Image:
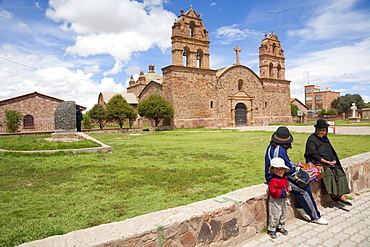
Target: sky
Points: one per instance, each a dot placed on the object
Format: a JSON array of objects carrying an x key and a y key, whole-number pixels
[{"x": 75, "y": 49}]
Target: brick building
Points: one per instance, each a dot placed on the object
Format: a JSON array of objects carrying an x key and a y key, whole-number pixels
[
  {"x": 231, "y": 96},
  {"x": 37, "y": 110},
  {"x": 317, "y": 100}
]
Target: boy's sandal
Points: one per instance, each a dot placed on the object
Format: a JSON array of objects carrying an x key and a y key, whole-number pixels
[
  {"x": 272, "y": 234},
  {"x": 283, "y": 231}
]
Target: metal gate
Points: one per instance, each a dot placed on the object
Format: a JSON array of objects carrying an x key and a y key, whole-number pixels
[{"x": 240, "y": 115}]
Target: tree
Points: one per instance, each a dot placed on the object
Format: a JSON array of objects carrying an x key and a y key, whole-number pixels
[
  {"x": 155, "y": 107},
  {"x": 323, "y": 112},
  {"x": 118, "y": 109},
  {"x": 331, "y": 112},
  {"x": 131, "y": 114},
  {"x": 343, "y": 103},
  {"x": 99, "y": 114},
  {"x": 13, "y": 120},
  {"x": 87, "y": 121},
  {"x": 293, "y": 109}
]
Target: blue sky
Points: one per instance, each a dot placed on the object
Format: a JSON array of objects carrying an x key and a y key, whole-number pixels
[{"x": 75, "y": 49}]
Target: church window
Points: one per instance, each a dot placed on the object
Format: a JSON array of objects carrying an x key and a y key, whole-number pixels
[
  {"x": 191, "y": 29},
  {"x": 185, "y": 56},
  {"x": 265, "y": 104},
  {"x": 211, "y": 104},
  {"x": 28, "y": 121},
  {"x": 278, "y": 71},
  {"x": 273, "y": 48},
  {"x": 199, "y": 56},
  {"x": 240, "y": 84},
  {"x": 270, "y": 70}
]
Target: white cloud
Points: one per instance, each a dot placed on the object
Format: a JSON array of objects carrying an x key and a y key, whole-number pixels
[
  {"x": 37, "y": 5},
  {"x": 22, "y": 25},
  {"x": 335, "y": 19},
  {"x": 116, "y": 69},
  {"x": 6, "y": 14},
  {"x": 118, "y": 28},
  {"x": 54, "y": 80},
  {"x": 229, "y": 34},
  {"x": 132, "y": 70},
  {"x": 92, "y": 69},
  {"x": 346, "y": 65}
]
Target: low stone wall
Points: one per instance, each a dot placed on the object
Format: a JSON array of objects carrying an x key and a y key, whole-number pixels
[
  {"x": 112, "y": 130},
  {"x": 226, "y": 220}
]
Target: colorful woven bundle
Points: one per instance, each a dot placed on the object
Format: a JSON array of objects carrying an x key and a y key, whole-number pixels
[{"x": 314, "y": 171}]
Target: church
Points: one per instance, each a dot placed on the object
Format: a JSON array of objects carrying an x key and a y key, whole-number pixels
[{"x": 227, "y": 97}]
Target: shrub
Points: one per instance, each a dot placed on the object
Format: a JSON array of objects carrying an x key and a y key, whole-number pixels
[{"x": 13, "y": 120}]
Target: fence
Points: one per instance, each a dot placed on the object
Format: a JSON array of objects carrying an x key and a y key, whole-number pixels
[{"x": 39, "y": 126}]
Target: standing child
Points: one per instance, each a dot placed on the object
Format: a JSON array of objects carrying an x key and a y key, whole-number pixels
[{"x": 278, "y": 193}]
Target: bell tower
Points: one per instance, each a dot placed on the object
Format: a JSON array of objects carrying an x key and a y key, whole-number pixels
[
  {"x": 271, "y": 57},
  {"x": 190, "y": 44}
]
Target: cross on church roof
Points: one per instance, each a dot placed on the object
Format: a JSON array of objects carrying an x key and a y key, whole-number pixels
[{"x": 237, "y": 54}]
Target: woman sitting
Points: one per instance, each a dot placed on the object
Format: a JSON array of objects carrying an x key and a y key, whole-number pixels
[{"x": 320, "y": 151}]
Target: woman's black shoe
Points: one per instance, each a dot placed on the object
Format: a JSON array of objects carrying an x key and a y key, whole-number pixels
[
  {"x": 336, "y": 199},
  {"x": 345, "y": 202}
]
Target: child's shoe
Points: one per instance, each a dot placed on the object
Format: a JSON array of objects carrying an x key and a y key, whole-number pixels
[
  {"x": 272, "y": 234},
  {"x": 283, "y": 231}
]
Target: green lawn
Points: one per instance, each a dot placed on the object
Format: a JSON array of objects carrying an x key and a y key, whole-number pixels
[
  {"x": 38, "y": 142},
  {"x": 47, "y": 194}
]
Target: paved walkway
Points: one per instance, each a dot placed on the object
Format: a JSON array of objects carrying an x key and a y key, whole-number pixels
[{"x": 348, "y": 226}]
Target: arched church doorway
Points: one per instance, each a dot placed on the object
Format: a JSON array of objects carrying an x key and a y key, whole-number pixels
[{"x": 240, "y": 115}]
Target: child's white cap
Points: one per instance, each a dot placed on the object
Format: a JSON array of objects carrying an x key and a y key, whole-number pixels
[{"x": 278, "y": 162}]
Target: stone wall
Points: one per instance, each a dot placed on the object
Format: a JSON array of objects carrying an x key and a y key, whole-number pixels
[
  {"x": 113, "y": 130},
  {"x": 226, "y": 220},
  {"x": 201, "y": 122},
  {"x": 189, "y": 90}
]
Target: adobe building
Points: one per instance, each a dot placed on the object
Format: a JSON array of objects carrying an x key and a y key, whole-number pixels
[
  {"x": 37, "y": 110},
  {"x": 301, "y": 107},
  {"x": 317, "y": 100},
  {"x": 225, "y": 97}
]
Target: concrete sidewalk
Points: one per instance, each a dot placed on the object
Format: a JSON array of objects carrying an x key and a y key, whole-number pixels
[{"x": 348, "y": 226}]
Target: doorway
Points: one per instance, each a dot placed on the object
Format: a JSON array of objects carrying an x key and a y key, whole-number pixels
[{"x": 240, "y": 115}]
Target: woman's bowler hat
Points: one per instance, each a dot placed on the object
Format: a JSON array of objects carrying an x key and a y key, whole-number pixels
[{"x": 321, "y": 123}]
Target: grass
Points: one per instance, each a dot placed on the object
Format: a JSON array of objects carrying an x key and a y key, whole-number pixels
[
  {"x": 337, "y": 123},
  {"x": 47, "y": 194},
  {"x": 38, "y": 142}
]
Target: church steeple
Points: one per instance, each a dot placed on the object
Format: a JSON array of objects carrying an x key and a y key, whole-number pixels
[
  {"x": 271, "y": 56},
  {"x": 190, "y": 44}
]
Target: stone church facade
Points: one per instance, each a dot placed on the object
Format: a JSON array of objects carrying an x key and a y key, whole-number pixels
[{"x": 227, "y": 97}]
